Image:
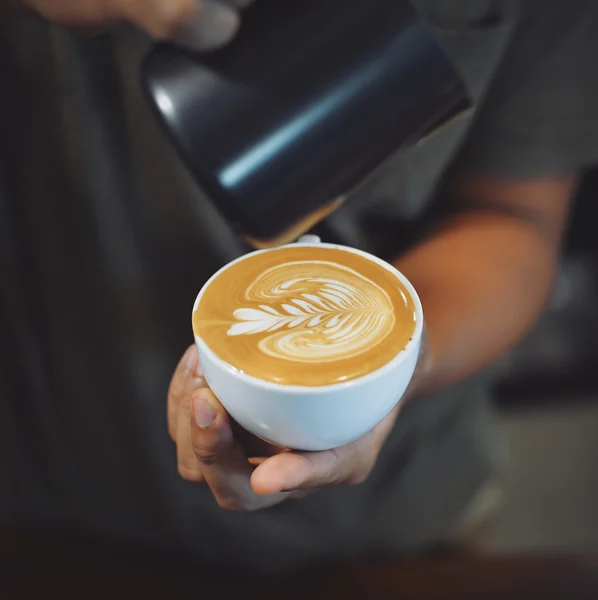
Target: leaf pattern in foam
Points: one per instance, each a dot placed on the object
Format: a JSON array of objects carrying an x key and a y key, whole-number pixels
[{"x": 316, "y": 311}]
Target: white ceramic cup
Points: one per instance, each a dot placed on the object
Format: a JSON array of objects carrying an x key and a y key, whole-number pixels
[{"x": 313, "y": 418}]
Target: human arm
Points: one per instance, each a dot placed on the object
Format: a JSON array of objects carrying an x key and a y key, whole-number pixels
[
  {"x": 533, "y": 135},
  {"x": 485, "y": 274},
  {"x": 483, "y": 278}
]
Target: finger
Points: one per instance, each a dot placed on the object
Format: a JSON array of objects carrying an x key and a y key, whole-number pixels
[
  {"x": 224, "y": 464},
  {"x": 350, "y": 464},
  {"x": 211, "y": 25},
  {"x": 197, "y": 24},
  {"x": 177, "y": 386},
  {"x": 294, "y": 471},
  {"x": 188, "y": 466},
  {"x": 70, "y": 13},
  {"x": 159, "y": 18}
]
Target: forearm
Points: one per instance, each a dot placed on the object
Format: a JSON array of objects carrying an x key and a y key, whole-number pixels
[{"x": 483, "y": 281}]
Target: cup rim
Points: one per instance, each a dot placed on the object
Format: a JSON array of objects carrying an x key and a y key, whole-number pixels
[{"x": 310, "y": 390}]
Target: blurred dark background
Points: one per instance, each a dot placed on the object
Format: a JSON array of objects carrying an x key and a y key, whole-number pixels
[{"x": 547, "y": 393}]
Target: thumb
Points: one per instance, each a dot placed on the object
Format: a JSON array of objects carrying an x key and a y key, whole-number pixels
[
  {"x": 211, "y": 431},
  {"x": 224, "y": 464}
]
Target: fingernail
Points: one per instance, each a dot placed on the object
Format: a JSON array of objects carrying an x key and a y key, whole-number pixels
[
  {"x": 204, "y": 413},
  {"x": 189, "y": 358},
  {"x": 212, "y": 26}
]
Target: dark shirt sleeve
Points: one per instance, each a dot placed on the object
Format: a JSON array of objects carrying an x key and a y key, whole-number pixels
[{"x": 540, "y": 115}]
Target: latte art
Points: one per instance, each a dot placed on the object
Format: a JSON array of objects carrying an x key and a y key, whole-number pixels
[
  {"x": 314, "y": 311},
  {"x": 305, "y": 315}
]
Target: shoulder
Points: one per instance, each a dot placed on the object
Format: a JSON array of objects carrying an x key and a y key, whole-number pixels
[{"x": 540, "y": 113}]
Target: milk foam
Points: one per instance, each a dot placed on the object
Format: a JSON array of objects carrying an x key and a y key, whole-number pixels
[{"x": 314, "y": 311}]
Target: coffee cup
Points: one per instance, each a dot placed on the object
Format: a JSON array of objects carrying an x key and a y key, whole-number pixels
[{"x": 310, "y": 345}]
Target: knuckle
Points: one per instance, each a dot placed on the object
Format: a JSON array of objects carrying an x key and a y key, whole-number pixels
[
  {"x": 208, "y": 454},
  {"x": 183, "y": 400},
  {"x": 192, "y": 385},
  {"x": 212, "y": 447},
  {"x": 177, "y": 384}
]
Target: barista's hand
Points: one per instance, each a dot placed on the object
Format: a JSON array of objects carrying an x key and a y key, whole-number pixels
[
  {"x": 244, "y": 473},
  {"x": 199, "y": 24}
]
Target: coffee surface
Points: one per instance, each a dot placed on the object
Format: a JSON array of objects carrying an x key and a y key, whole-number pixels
[{"x": 308, "y": 316}]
